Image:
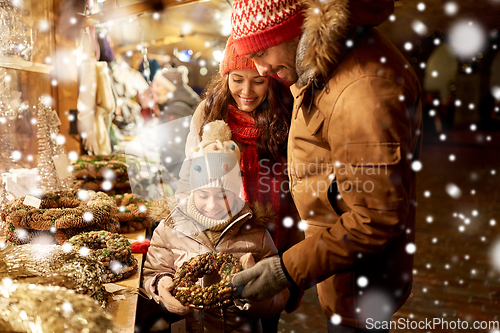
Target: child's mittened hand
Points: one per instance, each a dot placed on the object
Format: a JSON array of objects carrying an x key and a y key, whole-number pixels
[
  {"x": 171, "y": 303},
  {"x": 247, "y": 260}
]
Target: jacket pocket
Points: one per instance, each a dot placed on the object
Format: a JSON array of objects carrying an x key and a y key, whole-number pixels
[
  {"x": 373, "y": 153},
  {"x": 314, "y": 121},
  {"x": 373, "y": 176}
]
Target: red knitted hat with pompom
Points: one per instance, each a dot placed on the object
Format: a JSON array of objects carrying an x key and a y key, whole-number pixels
[
  {"x": 233, "y": 61},
  {"x": 260, "y": 24}
]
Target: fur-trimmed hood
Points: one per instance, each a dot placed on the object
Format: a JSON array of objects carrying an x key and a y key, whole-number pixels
[{"x": 326, "y": 27}]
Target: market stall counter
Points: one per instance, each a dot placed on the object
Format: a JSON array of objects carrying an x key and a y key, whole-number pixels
[{"x": 123, "y": 304}]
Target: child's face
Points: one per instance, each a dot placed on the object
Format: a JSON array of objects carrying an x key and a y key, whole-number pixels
[{"x": 213, "y": 202}]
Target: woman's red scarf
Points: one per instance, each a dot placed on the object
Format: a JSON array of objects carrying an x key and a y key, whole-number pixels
[{"x": 260, "y": 183}]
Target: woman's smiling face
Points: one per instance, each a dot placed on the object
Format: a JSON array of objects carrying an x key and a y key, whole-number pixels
[{"x": 248, "y": 88}]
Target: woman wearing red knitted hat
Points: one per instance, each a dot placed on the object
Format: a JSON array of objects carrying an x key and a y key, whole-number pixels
[{"x": 258, "y": 111}]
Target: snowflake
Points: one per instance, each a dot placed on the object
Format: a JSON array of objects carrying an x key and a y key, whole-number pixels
[
  {"x": 450, "y": 8},
  {"x": 84, "y": 251},
  {"x": 410, "y": 248},
  {"x": 7, "y": 282},
  {"x": 362, "y": 281},
  {"x": 467, "y": 38},
  {"x": 67, "y": 307},
  {"x": 109, "y": 174},
  {"x": 288, "y": 222},
  {"x": 453, "y": 191},
  {"x": 303, "y": 225},
  {"x": 336, "y": 319},
  {"x": 88, "y": 216},
  {"x": 416, "y": 166},
  {"x": 67, "y": 247},
  {"x": 107, "y": 185},
  {"x": 419, "y": 27},
  {"x": 16, "y": 155},
  {"x": 115, "y": 266},
  {"x": 21, "y": 233}
]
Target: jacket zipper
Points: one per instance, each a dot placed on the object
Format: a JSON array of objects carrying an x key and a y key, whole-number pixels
[{"x": 229, "y": 226}]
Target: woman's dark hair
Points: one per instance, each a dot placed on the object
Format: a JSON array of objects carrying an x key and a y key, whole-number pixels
[{"x": 272, "y": 116}]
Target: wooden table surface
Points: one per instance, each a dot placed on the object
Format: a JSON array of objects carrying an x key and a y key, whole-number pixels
[{"x": 124, "y": 310}]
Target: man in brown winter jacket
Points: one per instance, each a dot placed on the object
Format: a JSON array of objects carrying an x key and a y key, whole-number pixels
[{"x": 355, "y": 132}]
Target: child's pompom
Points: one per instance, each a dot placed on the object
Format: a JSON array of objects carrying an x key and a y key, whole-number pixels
[{"x": 216, "y": 130}]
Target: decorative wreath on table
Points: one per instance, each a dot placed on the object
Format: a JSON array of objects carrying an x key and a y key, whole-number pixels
[
  {"x": 63, "y": 213},
  {"x": 113, "y": 250},
  {"x": 220, "y": 294},
  {"x": 97, "y": 173},
  {"x": 132, "y": 213},
  {"x": 96, "y": 166}
]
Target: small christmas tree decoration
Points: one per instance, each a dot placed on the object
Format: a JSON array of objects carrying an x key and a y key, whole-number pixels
[{"x": 51, "y": 156}]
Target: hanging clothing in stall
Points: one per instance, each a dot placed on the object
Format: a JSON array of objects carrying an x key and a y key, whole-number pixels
[
  {"x": 105, "y": 108},
  {"x": 96, "y": 103},
  {"x": 126, "y": 84},
  {"x": 86, "y": 96}
]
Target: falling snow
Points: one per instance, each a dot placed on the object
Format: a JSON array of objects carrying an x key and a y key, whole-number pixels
[
  {"x": 288, "y": 222},
  {"x": 453, "y": 191},
  {"x": 88, "y": 216},
  {"x": 411, "y": 248},
  {"x": 467, "y": 38}
]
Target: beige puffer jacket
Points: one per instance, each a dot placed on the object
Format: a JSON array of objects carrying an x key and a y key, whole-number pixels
[{"x": 175, "y": 242}]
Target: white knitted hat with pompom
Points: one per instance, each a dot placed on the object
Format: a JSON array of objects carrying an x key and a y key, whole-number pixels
[{"x": 216, "y": 160}]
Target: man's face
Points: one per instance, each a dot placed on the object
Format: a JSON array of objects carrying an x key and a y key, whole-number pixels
[{"x": 279, "y": 60}]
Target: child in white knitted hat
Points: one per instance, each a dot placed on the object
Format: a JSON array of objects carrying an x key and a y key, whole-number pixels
[{"x": 213, "y": 218}]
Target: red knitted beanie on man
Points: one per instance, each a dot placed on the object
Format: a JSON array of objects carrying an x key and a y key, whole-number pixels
[
  {"x": 233, "y": 61},
  {"x": 260, "y": 24}
]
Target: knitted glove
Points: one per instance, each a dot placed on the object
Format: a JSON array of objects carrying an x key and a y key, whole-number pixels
[
  {"x": 164, "y": 287},
  {"x": 262, "y": 281}
]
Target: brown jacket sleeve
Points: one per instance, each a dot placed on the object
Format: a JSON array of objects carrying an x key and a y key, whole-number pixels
[{"x": 370, "y": 136}]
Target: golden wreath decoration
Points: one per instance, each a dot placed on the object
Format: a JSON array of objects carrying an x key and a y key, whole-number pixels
[
  {"x": 96, "y": 166},
  {"x": 92, "y": 171},
  {"x": 220, "y": 294},
  {"x": 113, "y": 250},
  {"x": 132, "y": 213},
  {"x": 62, "y": 214}
]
